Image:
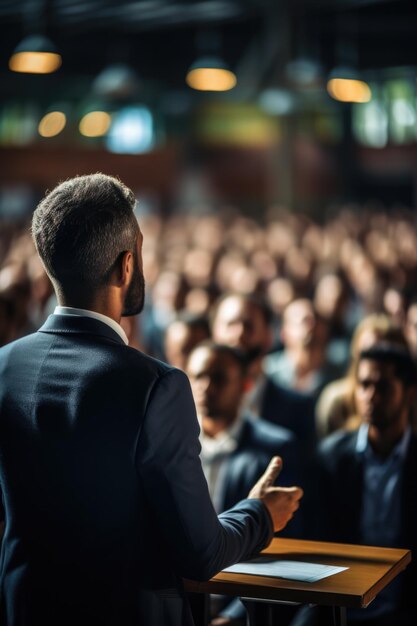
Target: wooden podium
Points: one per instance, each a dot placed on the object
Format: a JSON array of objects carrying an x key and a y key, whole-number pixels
[{"x": 370, "y": 569}]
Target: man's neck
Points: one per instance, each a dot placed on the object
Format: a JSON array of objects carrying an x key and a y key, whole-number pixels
[
  {"x": 99, "y": 304},
  {"x": 384, "y": 441},
  {"x": 307, "y": 358}
]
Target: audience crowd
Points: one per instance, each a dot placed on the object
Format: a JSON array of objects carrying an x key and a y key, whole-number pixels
[{"x": 300, "y": 339}]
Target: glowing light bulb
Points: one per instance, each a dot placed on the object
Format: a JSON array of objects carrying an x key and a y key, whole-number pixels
[
  {"x": 349, "y": 90},
  {"x": 52, "y": 124},
  {"x": 95, "y": 124}
]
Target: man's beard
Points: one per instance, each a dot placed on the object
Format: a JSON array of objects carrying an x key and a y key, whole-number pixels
[{"x": 135, "y": 295}]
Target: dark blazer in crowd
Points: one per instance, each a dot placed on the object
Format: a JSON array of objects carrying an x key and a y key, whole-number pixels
[
  {"x": 340, "y": 481},
  {"x": 106, "y": 504},
  {"x": 292, "y": 410}
]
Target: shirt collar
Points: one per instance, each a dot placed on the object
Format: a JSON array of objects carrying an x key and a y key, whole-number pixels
[
  {"x": 399, "y": 451},
  {"x": 69, "y": 310},
  {"x": 224, "y": 443}
]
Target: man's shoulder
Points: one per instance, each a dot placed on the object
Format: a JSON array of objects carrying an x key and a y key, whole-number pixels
[
  {"x": 265, "y": 434},
  {"x": 22, "y": 343},
  {"x": 133, "y": 363},
  {"x": 133, "y": 355},
  {"x": 276, "y": 362},
  {"x": 337, "y": 444},
  {"x": 114, "y": 355}
]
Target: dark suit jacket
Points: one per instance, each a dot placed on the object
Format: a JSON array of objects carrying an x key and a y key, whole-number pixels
[
  {"x": 290, "y": 409},
  {"x": 106, "y": 504},
  {"x": 339, "y": 502}
]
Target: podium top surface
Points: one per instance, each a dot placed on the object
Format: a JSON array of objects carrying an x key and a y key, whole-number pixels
[{"x": 370, "y": 569}]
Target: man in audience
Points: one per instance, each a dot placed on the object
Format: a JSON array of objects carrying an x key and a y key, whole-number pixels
[
  {"x": 335, "y": 407},
  {"x": 235, "y": 448},
  {"x": 182, "y": 335},
  {"x": 302, "y": 365},
  {"x": 367, "y": 478},
  {"x": 244, "y": 322}
]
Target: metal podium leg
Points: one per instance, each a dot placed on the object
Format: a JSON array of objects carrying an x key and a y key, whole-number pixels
[
  {"x": 339, "y": 616},
  {"x": 266, "y": 612},
  {"x": 258, "y": 613}
]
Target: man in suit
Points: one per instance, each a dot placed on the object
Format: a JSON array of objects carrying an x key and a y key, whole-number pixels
[
  {"x": 235, "y": 447},
  {"x": 368, "y": 478},
  {"x": 244, "y": 322},
  {"x": 106, "y": 505}
]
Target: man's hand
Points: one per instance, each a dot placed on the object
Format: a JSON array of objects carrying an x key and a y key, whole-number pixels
[{"x": 281, "y": 502}]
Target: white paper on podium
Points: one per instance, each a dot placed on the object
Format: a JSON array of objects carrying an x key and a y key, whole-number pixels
[{"x": 290, "y": 570}]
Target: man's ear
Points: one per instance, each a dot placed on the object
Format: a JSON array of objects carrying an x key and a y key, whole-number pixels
[{"x": 124, "y": 268}]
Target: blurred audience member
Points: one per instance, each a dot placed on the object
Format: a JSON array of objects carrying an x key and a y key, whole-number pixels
[
  {"x": 302, "y": 365},
  {"x": 167, "y": 298},
  {"x": 367, "y": 479},
  {"x": 330, "y": 301},
  {"x": 198, "y": 300},
  {"x": 15, "y": 285},
  {"x": 335, "y": 406},
  {"x": 182, "y": 336},
  {"x": 279, "y": 292},
  {"x": 43, "y": 298},
  {"x": 243, "y": 322},
  {"x": 395, "y": 305}
]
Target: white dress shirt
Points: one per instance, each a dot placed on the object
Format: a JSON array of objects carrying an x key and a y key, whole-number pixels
[
  {"x": 214, "y": 454},
  {"x": 69, "y": 310}
]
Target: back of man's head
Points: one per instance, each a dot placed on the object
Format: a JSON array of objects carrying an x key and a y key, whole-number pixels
[{"x": 81, "y": 228}]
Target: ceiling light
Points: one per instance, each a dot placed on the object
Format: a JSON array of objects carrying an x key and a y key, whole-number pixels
[
  {"x": 344, "y": 85},
  {"x": 349, "y": 90},
  {"x": 95, "y": 124},
  {"x": 52, "y": 124},
  {"x": 35, "y": 55},
  {"x": 210, "y": 74}
]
